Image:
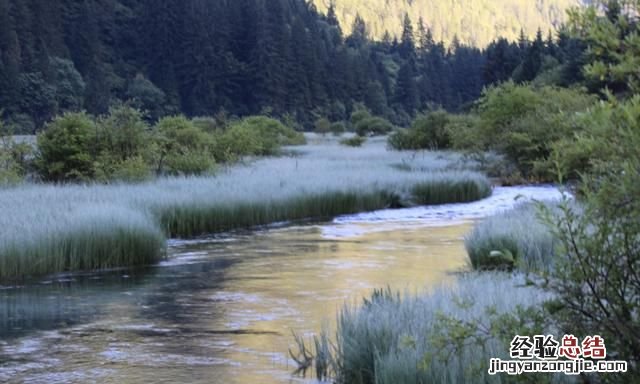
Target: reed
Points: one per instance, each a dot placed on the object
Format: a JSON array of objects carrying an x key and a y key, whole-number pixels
[
  {"x": 58, "y": 228},
  {"x": 516, "y": 238},
  {"x": 397, "y": 339}
]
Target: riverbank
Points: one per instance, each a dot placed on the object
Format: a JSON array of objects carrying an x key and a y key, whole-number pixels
[{"x": 51, "y": 229}]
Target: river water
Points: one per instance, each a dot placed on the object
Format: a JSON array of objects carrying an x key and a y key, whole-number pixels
[{"x": 223, "y": 309}]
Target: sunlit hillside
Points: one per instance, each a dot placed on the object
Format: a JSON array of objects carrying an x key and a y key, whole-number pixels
[{"x": 473, "y": 21}]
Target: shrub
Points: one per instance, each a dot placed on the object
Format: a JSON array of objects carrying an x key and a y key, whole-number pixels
[
  {"x": 272, "y": 134},
  {"x": 428, "y": 131},
  {"x": 124, "y": 145},
  {"x": 446, "y": 336},
  {"x": 338, "y": 128},
  {"x": 355, "y": 141},
  {"x": 358, "y": 115},
  {"x": 14, "y": 158},
  {"x": 522, "y": 123},
  {"x": 322, "y": 126},
  {"x": 207, "y": 124},
  {"x": 597, "y": 282},
  {"x": 605, "y": 123},
  {"x": 464, "y": 133},
  {"x": 180, "y": 144},
  {"x": 236, "y": 142},
  {"x": 446, "y": 191},
  {"x": 132, "y": 170},
  {"x": 255, "y": 136},
  {"x": 516, "y": 238},
  {"x": 373, "y": 126},
  {"x": 67, "y": 149}
]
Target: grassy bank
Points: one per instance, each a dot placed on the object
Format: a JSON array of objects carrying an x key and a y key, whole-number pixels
[
  {"x": 424, "y": 339},
  {"x": 49, "y": 229},
  {"x": 516, "y": 238}
]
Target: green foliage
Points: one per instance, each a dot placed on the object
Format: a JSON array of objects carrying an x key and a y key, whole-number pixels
[
  {"x": 358, "y": 115},
  {"x": 338, "y": 128},
  {"x": 606, "y": 122},
  {"x": 463, "y": 131},
  {"x": 322, "y": 126},
  {"x": 522, "y": 123},
  {"x": 614, "y": 43},
  {"x": 515, "y": 239},
  {"x": 9, "y": 168},
  {"x": 68, "y": 83},
  {"x": 444, "y": 336},
  {"x": 355, "y": 141},
  {"x": 182, "y": 148},
  {"x": 124, "y": 142},
  {"x": 147, "y": 96},
  {"x": 428, "y": 131},
  {"x": 597, "y": 280},
  {"x": 255, "y": 136},
  {"x": 373, "y": 126},
  {"x": 449, "y": 191},
  {"x": 67, "y": 149}
]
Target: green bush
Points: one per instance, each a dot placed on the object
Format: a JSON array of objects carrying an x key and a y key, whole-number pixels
[
  {"x": 322, "y": 126},
  {"x": 272, "y": 134},
  {"x": 180, "y": 144},
  {"x": 517, "y": 238},
  {"x": 236, "y": 142},
  {"x": 338, "y": 128},
  {"x": 207, "y": 124},
  {"x": 132, "y": 170},
  {"x": 373, "y": 126},
  {"x": 14, "y": 158},
  {"x": 428, "y": 131},
  {"x": 605, "y": 123},
  {"x": 463, "y": 132},
  {"x": 255, "y": 136},
  {"x": 124, "y": 143},
  {"x": 355, "y": 141},
  {"x": 68, "y": 148},
  {"x": 358, "y": 115},
  {"x": 522, "y": 123}
]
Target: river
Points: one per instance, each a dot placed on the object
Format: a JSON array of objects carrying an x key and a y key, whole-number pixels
[{"x": 222, "y": 309}]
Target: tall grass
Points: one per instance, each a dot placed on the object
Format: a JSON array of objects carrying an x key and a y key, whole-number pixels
[
  {"x": 447, "y": 190},
  {"x": 396, "y": 340},
  {"x": 516, "y": 238},
  {"x": 49, "y": 229}
]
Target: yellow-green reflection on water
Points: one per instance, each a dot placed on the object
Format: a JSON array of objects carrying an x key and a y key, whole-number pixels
[{"x": 220, "y": 311}]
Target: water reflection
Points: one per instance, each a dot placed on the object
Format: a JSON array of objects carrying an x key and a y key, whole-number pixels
[{"x": 219, "y": 311}]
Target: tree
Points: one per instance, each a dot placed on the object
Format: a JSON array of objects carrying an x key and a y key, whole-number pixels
[
  {"x": 597, "y": 280},
  {"x": 407, "y": 47},
  {"x": 613, "y": 47},
  {"x": 67, "y": 149}
]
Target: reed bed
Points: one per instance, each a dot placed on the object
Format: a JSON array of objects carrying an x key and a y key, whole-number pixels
[
  {"x": 516, "y": 238},
  {"x": 50, "y": 229},
  {"x": 397, "y": 339}
]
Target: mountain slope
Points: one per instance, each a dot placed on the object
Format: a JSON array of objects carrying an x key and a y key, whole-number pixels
[{"x": 476, "y": 22}]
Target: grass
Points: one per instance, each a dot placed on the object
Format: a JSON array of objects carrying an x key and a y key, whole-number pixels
[
  {"x": 50, "y": 229},
  {"x": 447, "y": 190},
  {"x": 512, "y": 239},
  {"x": 399, "y": 339}
]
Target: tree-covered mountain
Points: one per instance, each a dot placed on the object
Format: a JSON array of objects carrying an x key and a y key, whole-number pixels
[
  {"x": 237, "y": 57},
  {"x": 474, "y": 22}
]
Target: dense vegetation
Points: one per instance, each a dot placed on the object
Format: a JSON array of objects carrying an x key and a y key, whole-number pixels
[
  {"x": 473, "y": 22},
  {"x": 57, "y": 228},
  {"x": 245, "y": 57},
  {"x": 574, "y": 267}
]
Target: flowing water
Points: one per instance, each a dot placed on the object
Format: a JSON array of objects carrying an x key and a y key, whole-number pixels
[{"x": 223, "y": 309}]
